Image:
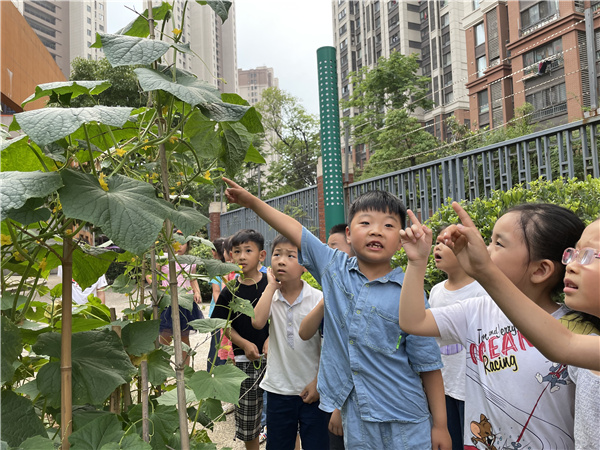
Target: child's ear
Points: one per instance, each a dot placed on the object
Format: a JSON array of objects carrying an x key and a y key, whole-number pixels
[
  {"x": 348, "y": 239},
  {"x": 263, "y": 255},
  {"x": 543, "y": 270}
]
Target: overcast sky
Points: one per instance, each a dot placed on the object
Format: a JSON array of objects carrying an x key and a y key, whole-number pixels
[{"x": 282, "y": 34}]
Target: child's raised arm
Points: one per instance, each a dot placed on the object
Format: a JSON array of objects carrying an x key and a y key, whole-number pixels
[
  {"x": 414, "y": 318},
  {"x": 262, "y": 310},
  {"x": 284, "y": 224},
  {"x": 433, "y": 385},
  {"x": 310, "y": 323},
  {"x": 547, "y": 334}
]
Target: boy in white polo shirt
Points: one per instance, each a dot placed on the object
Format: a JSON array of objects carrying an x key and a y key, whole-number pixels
[{"x": 291, "y": 378}]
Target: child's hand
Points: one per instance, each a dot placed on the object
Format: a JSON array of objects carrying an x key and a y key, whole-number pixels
[
  {"x": 251, "y": 351},
  {"x": 310, "y": 394},
  {"x": 271, "y": 278},
  {"x": 440, "y": 438},
  {"x": 416, "y": 240},
  {"x": 335, "y": 423},
  {"x": 237, "y": 194},
  {"x": 467, "y": 243}
]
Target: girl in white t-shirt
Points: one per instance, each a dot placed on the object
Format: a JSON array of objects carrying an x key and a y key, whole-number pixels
[
  {"x": 515, "y": 397},
  {"x": 581, "y": 288},
  {"x": 458, "y": 287}
]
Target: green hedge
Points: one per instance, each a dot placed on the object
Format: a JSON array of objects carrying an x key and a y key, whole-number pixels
[{"x": 582, "y": 197}]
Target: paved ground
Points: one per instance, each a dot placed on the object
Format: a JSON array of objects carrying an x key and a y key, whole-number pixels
[{"x": 224, "y": 432}]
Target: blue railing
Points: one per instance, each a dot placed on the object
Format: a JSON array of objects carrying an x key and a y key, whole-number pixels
[{"x": 561, "y": 152}]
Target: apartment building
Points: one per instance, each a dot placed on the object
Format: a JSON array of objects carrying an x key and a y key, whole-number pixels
[
  {"x": 253, "y": 82},
  {"x": 366, "y": 30},
  {"x": 66, "y": 28},
  {"x": 530, "y": 51},
  {"x": 213, "y": 56}
]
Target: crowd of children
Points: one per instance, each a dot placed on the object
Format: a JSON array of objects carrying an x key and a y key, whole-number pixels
[{"x": 360, "y": 357}]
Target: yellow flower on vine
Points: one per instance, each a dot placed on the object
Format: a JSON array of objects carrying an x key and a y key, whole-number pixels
[
  {"x": 43, "y": 264},
  {"x": 146, "y": 147},
  {"x": 5, "y": 239},
  {"x": 176, "y": 247},
  {"x": 164, "y": 110},
  {"x": 173, "y": 139},
  {"x": 120, "y": 151},
  {"x": 207, "y": 175},
  {"x": 18, "y": 256},
  {"x": 103, "y": 184},
  {"x": 58, "y": 207},
  {"x": 178, "y": 183},
  {"x": 176, "y": 31}
]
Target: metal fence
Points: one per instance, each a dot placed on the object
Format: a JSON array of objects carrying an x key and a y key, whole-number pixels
[{"x": 561, "y": 152}]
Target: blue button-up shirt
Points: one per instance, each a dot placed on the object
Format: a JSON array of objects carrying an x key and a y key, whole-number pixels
[{"x": 363, "y": 345}]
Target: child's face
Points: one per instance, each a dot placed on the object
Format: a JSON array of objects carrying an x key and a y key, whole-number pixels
[
  {"x": 284, "y": 262},
  {"x": 508, "y": 250},
  {"x": 247, "y": 256},
  {"x": 582, "y": 282},
  {"x": 374, "y": 236},
  {"x": 182, "y": 250},
  {"x": 338, "y": 240},
  {"x": 444, "y": 257}
]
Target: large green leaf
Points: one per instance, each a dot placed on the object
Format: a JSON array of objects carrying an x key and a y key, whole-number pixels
[
  {"x": 100, "y": 365},
  {"x": 17, "y": 187},
  {"x": 11, "y": 348},
  {"x": 164, "y": 421},
  {"x": 188, "y": 220},
  {"x": 224, "y": 112},
  {"x": 32, "y": 211},
  {"x": 138, "y": 337},
  {"x": 169, "y": 398},
  {"x": 252, "y": 118},
  {"x": 19, "y": 419},
  {"x": 254, "y": 156},
  {"x": 242, "y": 305},
  {"x": 207, "y": 325},
  {"x": 236, "y": 141},
  {"x": 223, "y": 384},
  {"x": 203, "y": 135},
  {"x": 47, "y": 125},
  {"x": 87, "y": 266},
  {"x": 188, "y": 89},
  {"x": 123, "y": 50},
  {"x": 220, "y": 7},
  {"x": 159, "y": 367},
  {"x": 37, "y": 443},
  {"x": 139, "y": 27},
  {"x": 129, "y": 213},
  {"x": 129, "y": 442},
  {"x": 19, "y": 154},
  {"x": 75, "y": 88},
  {"x": 95, "y": 434}
]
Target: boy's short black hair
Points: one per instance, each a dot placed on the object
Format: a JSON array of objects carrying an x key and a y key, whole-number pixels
[
  {"x": 279, "y": 239},
  {"x": 380, "y": 201},
  {"x": 247, "y": 235},
  {"x": 339, "y": 228}
]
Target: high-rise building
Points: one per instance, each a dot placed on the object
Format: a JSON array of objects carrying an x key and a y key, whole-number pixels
[
  {"x": 253, "y": 82},
  {"x": 534, "y": 52},
  {"x": 213, "y": 56},
  {"x": 366, "y": 30},
  {"x": 66, "y": 28}
]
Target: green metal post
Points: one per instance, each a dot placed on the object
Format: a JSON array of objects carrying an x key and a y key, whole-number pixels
[{"x": 330, "y": 138}]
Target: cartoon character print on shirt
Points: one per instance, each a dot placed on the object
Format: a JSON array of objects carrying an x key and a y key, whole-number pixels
[{"x": 498, "y": 350}]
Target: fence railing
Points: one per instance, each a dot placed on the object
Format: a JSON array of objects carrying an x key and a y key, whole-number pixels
[{"x": 561, "y": 152}]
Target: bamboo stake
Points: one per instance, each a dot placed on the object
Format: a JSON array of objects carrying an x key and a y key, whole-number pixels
[
  {"x": 66, "y": 385},
  {"x": 145, "y": 412},
  {"x": 179, "y": 366},
  {"x": 115, "y": 397}
]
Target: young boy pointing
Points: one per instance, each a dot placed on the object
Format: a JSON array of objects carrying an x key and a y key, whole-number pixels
[{"x": 384, "y": 381}]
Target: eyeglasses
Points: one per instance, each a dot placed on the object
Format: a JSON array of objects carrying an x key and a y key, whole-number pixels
[{"x": 584, "y": 256}]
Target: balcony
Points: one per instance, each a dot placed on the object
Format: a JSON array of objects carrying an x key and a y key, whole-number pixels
[
  {"x": 551, "y": 111},
  {"x": 554, "y": 62},
  {"x": 540, "y": 24}
]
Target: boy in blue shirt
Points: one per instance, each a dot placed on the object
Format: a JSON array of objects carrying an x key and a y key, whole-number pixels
[{"x": 384, "y": 381}]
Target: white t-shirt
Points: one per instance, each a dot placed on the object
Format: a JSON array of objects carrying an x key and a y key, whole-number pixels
[
  {"x": 515, "y": 397},
  {"x": 587, "y": 408},
  {"x": 292, "y": 362},
  {"x": 453, "y": 355},
  {"x": 79, "y": 295}
]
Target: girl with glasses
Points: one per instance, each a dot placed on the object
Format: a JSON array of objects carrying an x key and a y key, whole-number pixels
[
  {"x": 514, "y": 396},
  {"x": 556, "y": 342}
]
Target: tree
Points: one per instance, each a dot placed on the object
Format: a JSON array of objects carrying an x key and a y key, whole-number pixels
[
  {"x": 124, "y": 91},
  {"x": 291, "y": 140},
  {"x": 385, "y": 95}
]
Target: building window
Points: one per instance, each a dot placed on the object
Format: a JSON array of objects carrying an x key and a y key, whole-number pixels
[
  {"x": 102, "y": 17},
  {"x": 343, "y": 29},
  {"x": 479, "y": 34},
  {"x": 538, "y": 13},
  {"x": 89, "y": 8},
  {"x": 445, "y": 39},
  {"x": 443, "y": 3},
  {"x": 446, "y": 59},
  {"x": 89, "y": 32},
  {"x": 101, "y": 6},
  {"x": 343, "y": 44},
  {"x": 448, "y": 79},
  {"x": 394, "y": 38},
  {"x": 102, "y": 29},
  {"x": 549, "y": 102},
  {"x": 448, "y": 97},
  {"x": 484, "y": 107},
  {"x": 475, "y": 4},
  {"x": 342, "y": 14},
  {"x": 542, "y": 52},
  {"x": 481, "y": 66},
  {"x": 89, "y": 21},
  {"x": 445, "y": 20}
]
